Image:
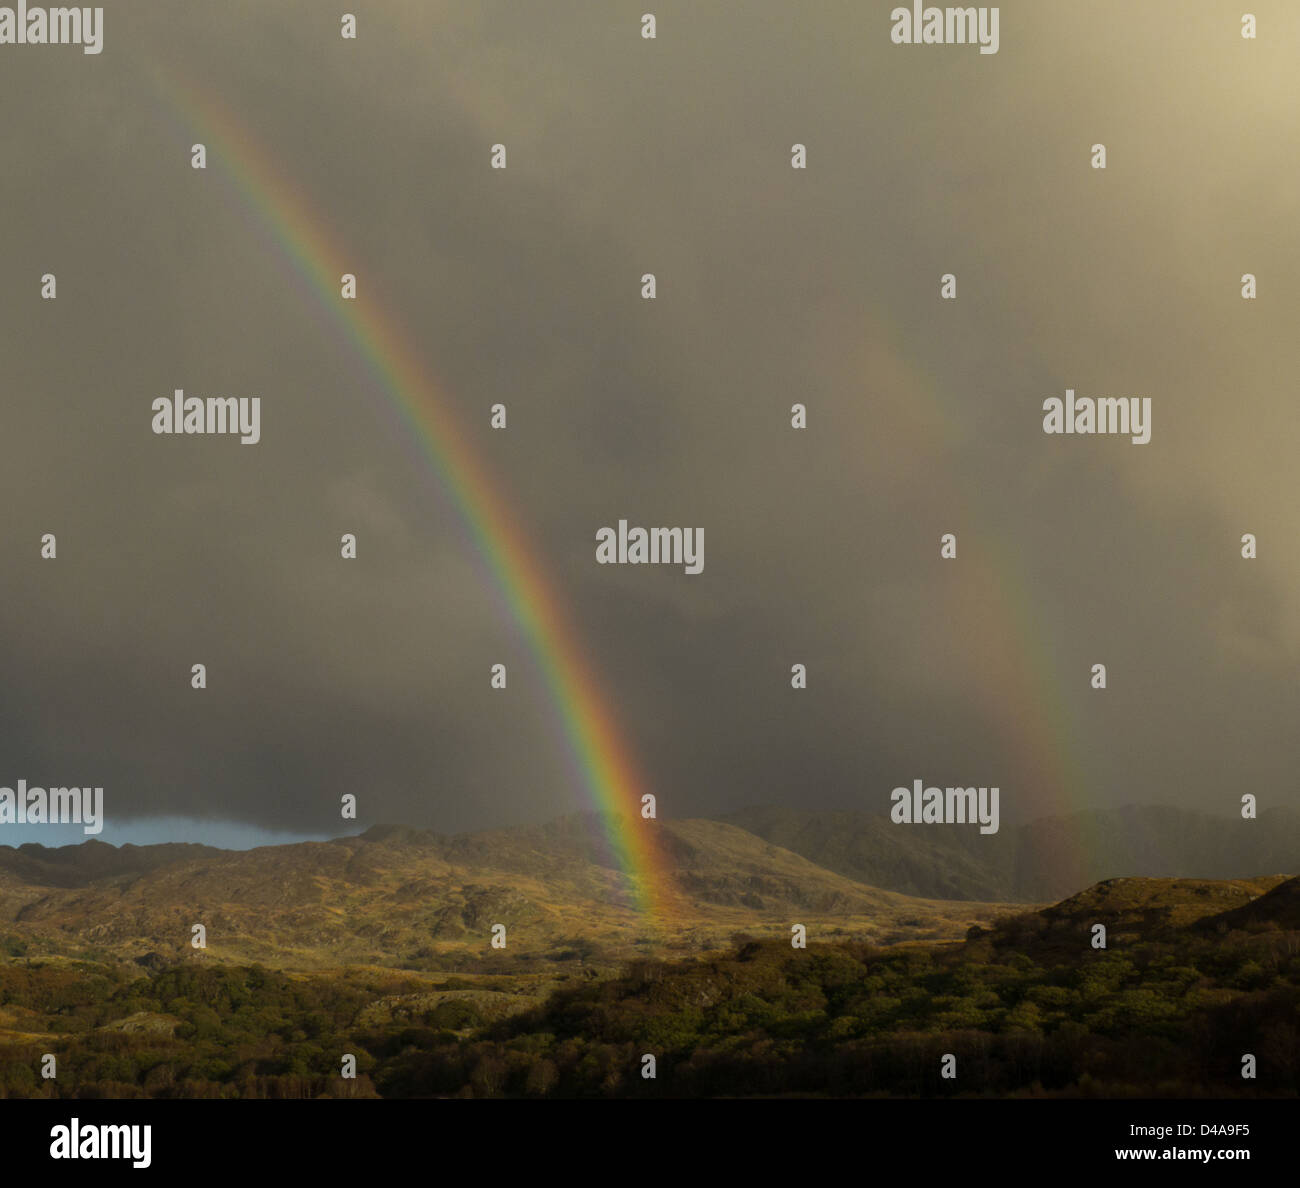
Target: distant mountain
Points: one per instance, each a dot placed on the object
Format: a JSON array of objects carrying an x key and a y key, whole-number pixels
[
  {"x": 412, "y": 898},
  {"x": 80, "y": 865},
  {"x": 424, "y": 901},
  {"x": 944, "y": 862},
  {"x": 1044, "y": 860}
]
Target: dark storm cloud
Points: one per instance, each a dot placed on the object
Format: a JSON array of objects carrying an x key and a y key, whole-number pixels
[{"x": 775, "y": 286}]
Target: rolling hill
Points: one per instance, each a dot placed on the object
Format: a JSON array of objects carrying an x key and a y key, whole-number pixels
[
  {"x": 419, "y": 900},
  {"x": 414, "y": 899}
]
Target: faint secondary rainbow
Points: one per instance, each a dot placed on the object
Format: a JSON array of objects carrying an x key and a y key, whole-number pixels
[
  {"x": 1011, "y": 645},
  {"x": 605, "y": 763}
]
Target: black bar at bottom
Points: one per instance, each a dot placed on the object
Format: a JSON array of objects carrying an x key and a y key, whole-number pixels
[{"x": 632, "y": 1138}]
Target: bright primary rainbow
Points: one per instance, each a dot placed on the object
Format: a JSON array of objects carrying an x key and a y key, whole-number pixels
[{"x": 604, "y": 761}]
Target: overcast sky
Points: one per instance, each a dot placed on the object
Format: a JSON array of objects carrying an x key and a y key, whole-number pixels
[{"x": 522, "y": 286}]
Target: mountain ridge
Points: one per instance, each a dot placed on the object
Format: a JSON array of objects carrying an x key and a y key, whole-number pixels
[
  {"x": 423, "y": 900},
  {"x": 1046, "y": 859}
]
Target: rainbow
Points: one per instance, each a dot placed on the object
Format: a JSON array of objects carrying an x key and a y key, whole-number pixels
[{"x": 602, "y": 758}]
